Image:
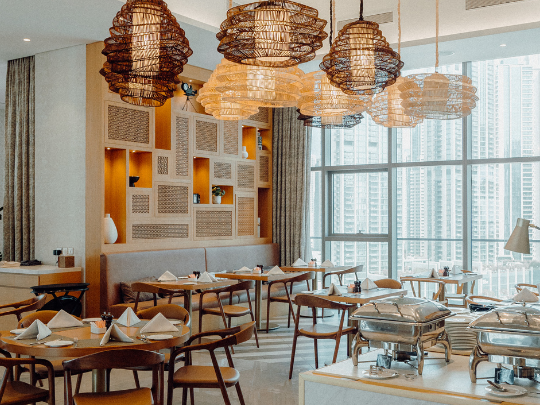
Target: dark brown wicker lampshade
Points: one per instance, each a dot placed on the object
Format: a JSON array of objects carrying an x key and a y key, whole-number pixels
[
  {"x": 347, "y": 121},
  {"x": 360, "y": 60},
  {"x": 146, "y": 52},
  {"x": 275, "y": 33}
]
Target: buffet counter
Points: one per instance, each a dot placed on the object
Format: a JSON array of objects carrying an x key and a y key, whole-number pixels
[{"x": 441, "y": 383}]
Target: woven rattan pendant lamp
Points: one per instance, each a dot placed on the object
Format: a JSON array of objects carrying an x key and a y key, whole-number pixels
[
  {"x": 347, "y": 121},
  {"x": 360, "y": 60},
  {"x": 273, "y": 33},
  {"x": 146, "y": 52},
  {"x": 386, "y": 108},
  {"x": 438, "y": 96}
]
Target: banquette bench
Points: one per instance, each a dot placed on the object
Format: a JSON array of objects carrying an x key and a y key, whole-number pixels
[{"x": 133, "y": 266}]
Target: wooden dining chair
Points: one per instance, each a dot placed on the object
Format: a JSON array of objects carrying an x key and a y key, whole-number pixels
[
  {"x": 19, "y": 392},
  {"x": 192, "y": 376},
  {"x": 388, "y": 283},
  {"x": 438, "y": 295},
  {"x": 319, "y": 331},
  {"x": 477, "y": 299},
  {"x": 140, "y": 287},
  {"x": 288, "y": 284},
  {"x": 341, "y": 273},
  {"x": 117, "y": 359},
  {"x": 521, "y": 286},
  {"x": 228, "y": 311},
  {"x": 19, "y": 308}
]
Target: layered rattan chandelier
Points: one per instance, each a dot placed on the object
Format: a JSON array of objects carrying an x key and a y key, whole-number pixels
[
  {"x": 146, "y": 52},
  {"x": 272, "y": 33},
  {"x": 438, "y": 96},
  {"x": 386, "y": 108},
  {"x": 347, "y": 121},
  {"x": 258, "y": 85},
  {"x": 360, "y": 60},
  {"x": 213, "y": 103}
]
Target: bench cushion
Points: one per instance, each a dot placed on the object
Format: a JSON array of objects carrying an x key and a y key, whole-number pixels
[{"x": 235, "y": 257}]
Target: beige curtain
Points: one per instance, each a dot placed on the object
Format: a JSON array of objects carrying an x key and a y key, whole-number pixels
[
  {"x": 290, "y": 150},
  {"x": 19, "y": 218}
]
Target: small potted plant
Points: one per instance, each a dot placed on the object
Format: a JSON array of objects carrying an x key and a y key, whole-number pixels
[{"x": 217, "y": 192}]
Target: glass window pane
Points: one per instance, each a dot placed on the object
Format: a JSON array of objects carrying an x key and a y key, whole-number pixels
[
  {"x": 316, "y": 146},
  {"x": 429, "y": 202},
  {"x": 315, "y": 216},
  {"x": 366, "y": 143},
  {"x": 505, "y": 120},
  {"x": 372, "y": 255},
  {"x": 360, "y": 202}
]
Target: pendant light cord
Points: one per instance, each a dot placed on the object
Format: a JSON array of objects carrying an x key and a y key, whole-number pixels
[
  {"x": 361, "y": 10},
  {"x": 437, "y": 36},
  {"x": 399, "y": 26},
  {"x": 332, "y": 20},
  {"x": 230, "y": 4}
]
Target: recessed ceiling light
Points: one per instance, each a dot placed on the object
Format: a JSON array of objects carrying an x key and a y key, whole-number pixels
[
  {"x": 26, "y": 39},
  {"x": 503, "y": 45}
]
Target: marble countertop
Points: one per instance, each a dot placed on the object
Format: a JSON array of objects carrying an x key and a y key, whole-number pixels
[
  {"x": 439, "y": 379},
  {"x": 37, "y": 270}
]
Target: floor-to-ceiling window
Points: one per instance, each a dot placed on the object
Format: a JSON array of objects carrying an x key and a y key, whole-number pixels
[{"x": 445, "y": 193}]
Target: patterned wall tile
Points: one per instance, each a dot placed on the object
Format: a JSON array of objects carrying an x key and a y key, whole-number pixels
[
  {"x": 163, "y": 165},
  {"x": 140, "y": 204},
  {"x": 223, "y": 170},
  {"x": 230, "y": 137},
  {"x": 182, "y": 146},
  {"x": 206, "y": 136},
  {"x": 213, "y": 224},
  {"x": 172, "y": 199},
  {"x": 128, "y": 124},
  {"x": 246, "y": 216},
  {"x": 160, "y": 231},
  {"x": 245, "y": 177}
]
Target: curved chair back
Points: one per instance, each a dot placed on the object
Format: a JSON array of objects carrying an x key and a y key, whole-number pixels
[
  {"x": 473, "y": 299},
  {"x": 388, "y": 283},
  {"x": 308, "y": 300},
  {"x": 21, "y": 307},
  {"x": 521, "y": 286},
  {"x": 437, "y": 295},
  {"x": 171, "y": 311},
  {"x": 341, "y": 273},
  {"x": 43, "y": 316}
]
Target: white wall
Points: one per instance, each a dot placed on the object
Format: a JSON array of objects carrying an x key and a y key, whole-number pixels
[{"x": 60, "y": 152}]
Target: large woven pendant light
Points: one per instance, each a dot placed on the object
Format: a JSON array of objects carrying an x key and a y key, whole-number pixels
[
  {"x": 438, "y": 96},
  {"x": 273, "y": 33},
  {"x": 258, "y": 85},
  {"x": 214, "y": 104},
  {"x": 360, "y": 60},
  {"x": 345, "y": 122},
  {"x": 386, "y": 108},
  {"x": 146, "y": 52}
]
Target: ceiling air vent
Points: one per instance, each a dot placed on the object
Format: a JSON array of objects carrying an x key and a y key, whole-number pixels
[
  {"x": 381, "y": 18},
  {"x": 472, "y": 4}
]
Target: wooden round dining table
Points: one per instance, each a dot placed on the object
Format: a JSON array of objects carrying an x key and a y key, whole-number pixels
[{"x": 89, "y": 343}]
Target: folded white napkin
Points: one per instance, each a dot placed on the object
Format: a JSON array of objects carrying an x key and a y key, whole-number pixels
[
  {"x": 275, "y": 270},
  {"x": 9, "y": 264},
  {"x": 525, "y": 295},
  {"x": 159, "y": 324},
  {"x": 368, "y": 284},
  {"x": 299, "y": 263},
  {"x": 128, "y": 318},
  {"x": 242, "y": 270},
  {"x": 206, "y": 278},
  {"x": 38, "y": 330},
  {"x": 114, "y": 333},
  {"x": 333, "y": 290},
  {"x": 63, "y": 320},
  {"x": 434, "y": 274},
  {"x": 327, "y": 263},
  {"x": 167, "y": 276}
]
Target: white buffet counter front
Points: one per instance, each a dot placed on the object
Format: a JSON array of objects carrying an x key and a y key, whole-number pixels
[{"x": 441, "y": 383}]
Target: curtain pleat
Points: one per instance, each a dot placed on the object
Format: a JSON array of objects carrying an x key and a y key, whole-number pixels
[
  {"x": 19, "y": 198},
  {"x": 290, "y": 149}
]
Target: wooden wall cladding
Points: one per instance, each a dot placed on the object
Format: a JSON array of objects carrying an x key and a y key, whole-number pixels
[
  {"x": 214, "y": 223},
  {"x": 206, "y": 136},
  {"x": 173, "y": 199},
  {"x": 130, "y": 125},
  {"x": 245, "y": 176},
  {"x": 246, "y": 208}
]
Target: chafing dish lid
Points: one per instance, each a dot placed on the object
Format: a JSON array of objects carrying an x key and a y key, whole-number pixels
[
  {"x": 402, "y": 309},
  {"x": 517, "y": 318}
]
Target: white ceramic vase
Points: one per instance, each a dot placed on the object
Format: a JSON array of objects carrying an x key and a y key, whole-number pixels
[
  {"x": 244, "y": 153},
  {"x": 216, "y": 199},
  {"x": 110, "y": 233}
]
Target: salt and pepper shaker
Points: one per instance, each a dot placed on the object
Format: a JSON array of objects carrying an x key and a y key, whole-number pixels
[
  {"x": 108, "y": 318},
  {"x": 357, "y": 286},
  {"x": 446, "y": 271}
]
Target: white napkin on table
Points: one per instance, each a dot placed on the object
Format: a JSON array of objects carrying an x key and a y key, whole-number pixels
[
  {"x": 159, "y": 324},
  {"x": 333, "y": 290},
  {"x": 525, "y": 295},
  {"x": 128, "y": 318},
  {"x": 434, "y": 274},
  {"x": 206, "y": 278},
  {"x": 275, "y": 270},
  {"x": 114, "y": 333},
  {"x": 299, "y": 263},
  {"x": 167, "y": 276},
  {"x": 38, "y": 330},
  {"x": 327, "y": 263},
  {"x": 242, "y": 270},
  {"x": 9, "y": 264},
  {"x": 63, "y": 320},
  {"x": 368, "y": 284}
]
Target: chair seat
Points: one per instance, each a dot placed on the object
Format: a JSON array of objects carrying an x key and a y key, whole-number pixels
[
  {"x": 283, "y": 298},
  {"x": 204, "y": 376},
  {"x": 323, "y": 331},
  {"x": 142, "y": 396},
  {"x": 229, "y": 310},
  {"x": 17, "y": 391}
]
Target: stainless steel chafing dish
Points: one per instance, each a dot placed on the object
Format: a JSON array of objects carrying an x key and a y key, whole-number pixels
[
  {"x": 402, "y": 325},
  {"x": 509, "y": 335}
]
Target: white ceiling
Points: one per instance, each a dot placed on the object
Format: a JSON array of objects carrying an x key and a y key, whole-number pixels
[{"x": 469, "y": 35}]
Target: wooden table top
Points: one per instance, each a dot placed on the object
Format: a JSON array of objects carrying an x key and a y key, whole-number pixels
[
  {"x": 89, "y": 342},
  {"x": 358, "y": 298},
  {"x": 187, "y": 284},
  {"x": 316, "y": 269},
  {"x": 452, "y": 279},
  {"x": 257, "y": 276}
]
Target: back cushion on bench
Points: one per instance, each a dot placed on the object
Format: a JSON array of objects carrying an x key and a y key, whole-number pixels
[
  {"x": 128, "y": 295},
  {"x": 235, "y": 257}
]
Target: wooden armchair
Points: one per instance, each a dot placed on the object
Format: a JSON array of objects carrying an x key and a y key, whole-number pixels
[
  {"x": 140, "y": 287},
  {"x": 31, "y": 304},
  {"x": 438, "y": 295},
  {"x": 341, "y": 273}
]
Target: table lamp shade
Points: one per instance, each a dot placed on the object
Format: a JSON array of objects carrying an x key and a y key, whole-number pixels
[{"x": 519, "y": 240}]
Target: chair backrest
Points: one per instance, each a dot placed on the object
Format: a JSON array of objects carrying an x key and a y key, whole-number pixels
[
  {"x": 521, "y": 286},
  {"x": 436, "y": 295},
  {"x": 473, "y": 299},
  {"x": 143, "y": 287},
  {"x": 388, "y": 283},
  {"x": 171, "y": 311},
  {"x": 21, "y": 307},
  {"x": 312, "y": 301},
  {"x": 242, "y": 286},
  {"x": 246, "y": 332},
  {"x": 291, "y": 280},
  {"x": 43, "y": 316}
]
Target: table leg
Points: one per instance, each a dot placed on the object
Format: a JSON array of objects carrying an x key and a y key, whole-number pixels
[
  {"x": 99, "y": 378},
  {"x": 187, "y": 304},
  {"x": 258, "y": 303},
  {"x": 350, "y": 336}
]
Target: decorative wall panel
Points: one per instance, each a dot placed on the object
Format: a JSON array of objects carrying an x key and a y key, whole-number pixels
[
  {"x": 264, "y": 170},
  {"x": 262, "y": 116},
  {"x": 182, "y": 146},
  {"x": 140, "y": 204},
  {"x": 223, "y": 170},
  {"x": 172, "y": 199},
  {"x": 245, "y": 216},
  {"x": 163, "y": 165},
  {"x": 231, "y": 136},
  {"x": 206, "y": 136},
  {"x": 128, "y": 124},
  {"x": 213, "y": 224},
  {"x": 160, "y": 231},
  {"x": 245, "y": 176}
]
